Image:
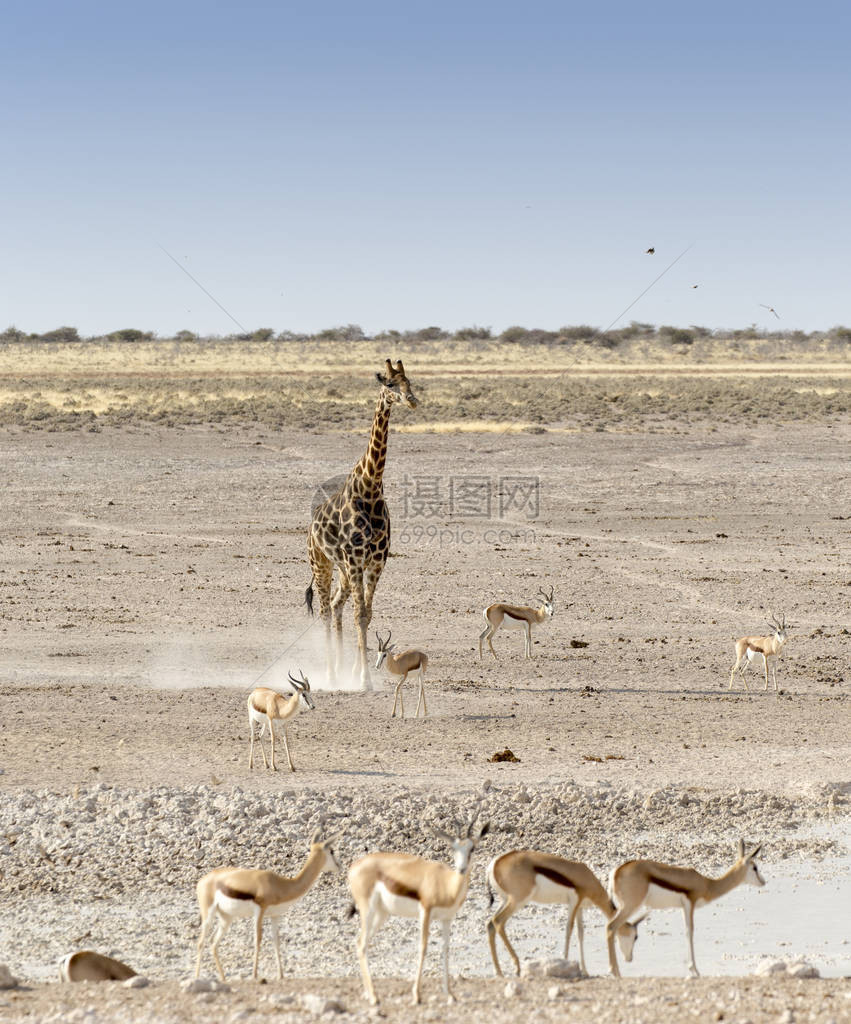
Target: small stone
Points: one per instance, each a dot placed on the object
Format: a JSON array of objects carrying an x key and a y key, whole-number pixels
[
  {"x": 7, "y": 979},
  {"x": 771, "y": 967},
  {"x": 787, "y": 1017},
  {"x": 280, "y": 999},
  {"x": 555, "y": 992},
  {"x": 513, "y": 989},
  {"x": 801, "y": 969},
  {"x": 198, "y": 985},
  {"x": 554, "y": 968},
  {"x": 137, "y": 981},
  {"x": 318, "y": 1004}
]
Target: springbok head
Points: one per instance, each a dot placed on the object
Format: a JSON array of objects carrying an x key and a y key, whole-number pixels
[
  {"x": 464, "y": 840},
  {"x": 752, "y": 875},
  {"x": 549, "y": 603},
  {"x": 395, "y": 386},
  {"x": 330, "y": 863},
  {"x": 302, "y": 688},
  {"x": 778, "y": 626},
  {"x": 384, "y": 648}
]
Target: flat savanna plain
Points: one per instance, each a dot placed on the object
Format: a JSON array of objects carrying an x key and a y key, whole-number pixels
[{"x": 152, "y": 568}]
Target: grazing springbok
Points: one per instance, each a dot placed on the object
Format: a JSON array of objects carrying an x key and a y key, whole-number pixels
[
  {"x": 528, "y": 876},
  {"x": 516, "y": 617},
  {"x": 86, "y": 965},
  {"x": 265, "y": 707},
  {"x": 387, "y": 885},
  {"x": 401, "y": 665},
  {"x": 228, "y": 893},
  {"x": 647, "y": 883},
  {"x": 769, "y": 647}
]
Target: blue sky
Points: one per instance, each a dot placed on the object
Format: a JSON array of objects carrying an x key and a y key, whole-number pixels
[{"x": 405, "y": 164}]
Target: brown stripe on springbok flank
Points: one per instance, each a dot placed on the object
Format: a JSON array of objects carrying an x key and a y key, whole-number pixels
[
  {"x": 756, "y": 649},
  {"x": 511, "y": 615},
  {"x": 555, "y": 876},
  {"x": 233, "y": 894},
  {"x": 397, "y": 888},
  {"x": 655, "y": 880}
]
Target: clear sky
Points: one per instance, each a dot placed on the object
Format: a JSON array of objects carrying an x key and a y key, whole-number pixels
[{"x": 400, "y": 164}]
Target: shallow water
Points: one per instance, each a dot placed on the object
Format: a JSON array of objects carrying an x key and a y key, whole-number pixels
[{"x": 803, "y": 912}]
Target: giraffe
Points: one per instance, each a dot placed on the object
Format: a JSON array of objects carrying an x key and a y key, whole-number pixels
[{"x": 351, "y": 531}]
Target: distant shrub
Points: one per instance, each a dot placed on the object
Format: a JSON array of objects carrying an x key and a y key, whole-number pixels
[
  {"x": 583, "y": 332},
  {"x": 838, "y": 333},
  {"x": 263, "y": 334},
  {"x": 473, "y": 333},
  {"x": 186, "y": 336},
  {"x": 60, "y": 334},
  {"x": 346, "y": 332},
  {"x": 429, "y": 334},
  {"x": 130, "y": 334},
  {"x": 635, "y": 330},
  {"x": 513, "y": 335},
  {"x": 675, "y": 335},
  {"x": 12, "y": 334}
]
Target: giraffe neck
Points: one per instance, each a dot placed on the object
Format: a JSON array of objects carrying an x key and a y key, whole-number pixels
[{"x": 369, "y": 472}]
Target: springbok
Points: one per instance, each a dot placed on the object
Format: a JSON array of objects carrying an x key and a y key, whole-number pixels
[
  {"x": 647, "y": 883},
  {"x": 401, "y": 665},
  {"x": 86, "y": 965},
  {"x": 528, "y": 876},
  {"x": 387, "y": 885},
  {"x": 265, "y": 707},
  {"x": 516, "y": 616},
  {"x": 769, "y": 647},
  {"x": 228, "y": 893}
]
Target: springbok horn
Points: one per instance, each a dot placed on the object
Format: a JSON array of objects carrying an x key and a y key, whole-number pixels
[
  {"x": 315, "y": 837},
  {"x": 440, "y": 833},
  {"x": 296, "y": 683}
]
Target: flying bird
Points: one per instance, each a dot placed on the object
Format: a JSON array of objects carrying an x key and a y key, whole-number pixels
[
  {"x": 694, "y": 286},
  {"x": 770, "y": 309},
  {"x": 650, "y": 251}
]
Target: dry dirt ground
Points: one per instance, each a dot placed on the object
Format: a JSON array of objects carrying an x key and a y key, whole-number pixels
[{"x": 151, "y": 574}]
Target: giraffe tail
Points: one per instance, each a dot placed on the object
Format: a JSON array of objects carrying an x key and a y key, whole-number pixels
[{"x": 308, "y": 597}]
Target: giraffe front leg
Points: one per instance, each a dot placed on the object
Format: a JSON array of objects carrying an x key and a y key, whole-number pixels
[
  {"x": 337, "y": 604},
  {"x": 361, "y": 666}
]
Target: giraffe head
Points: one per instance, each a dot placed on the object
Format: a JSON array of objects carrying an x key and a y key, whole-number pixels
[{"x": 395, "y": 386}]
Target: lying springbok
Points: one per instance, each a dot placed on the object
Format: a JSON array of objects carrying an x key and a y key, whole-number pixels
[
  {"x": 228, "y": 893},
  {"x": 86, "y": 965},
  {"x": 647, "y": 883},
  {"x": 527, "y": 876},
  {"x": 403, "y": 885},
  {"x": 750, "y": 647},
  {"x": 265, "y": 707},
  {"x": 516, "y": 617},
  {"x": 401, "y": 665}
]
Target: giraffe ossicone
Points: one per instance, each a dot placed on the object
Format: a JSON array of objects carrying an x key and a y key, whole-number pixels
[{"x": 350, "y": 532}]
